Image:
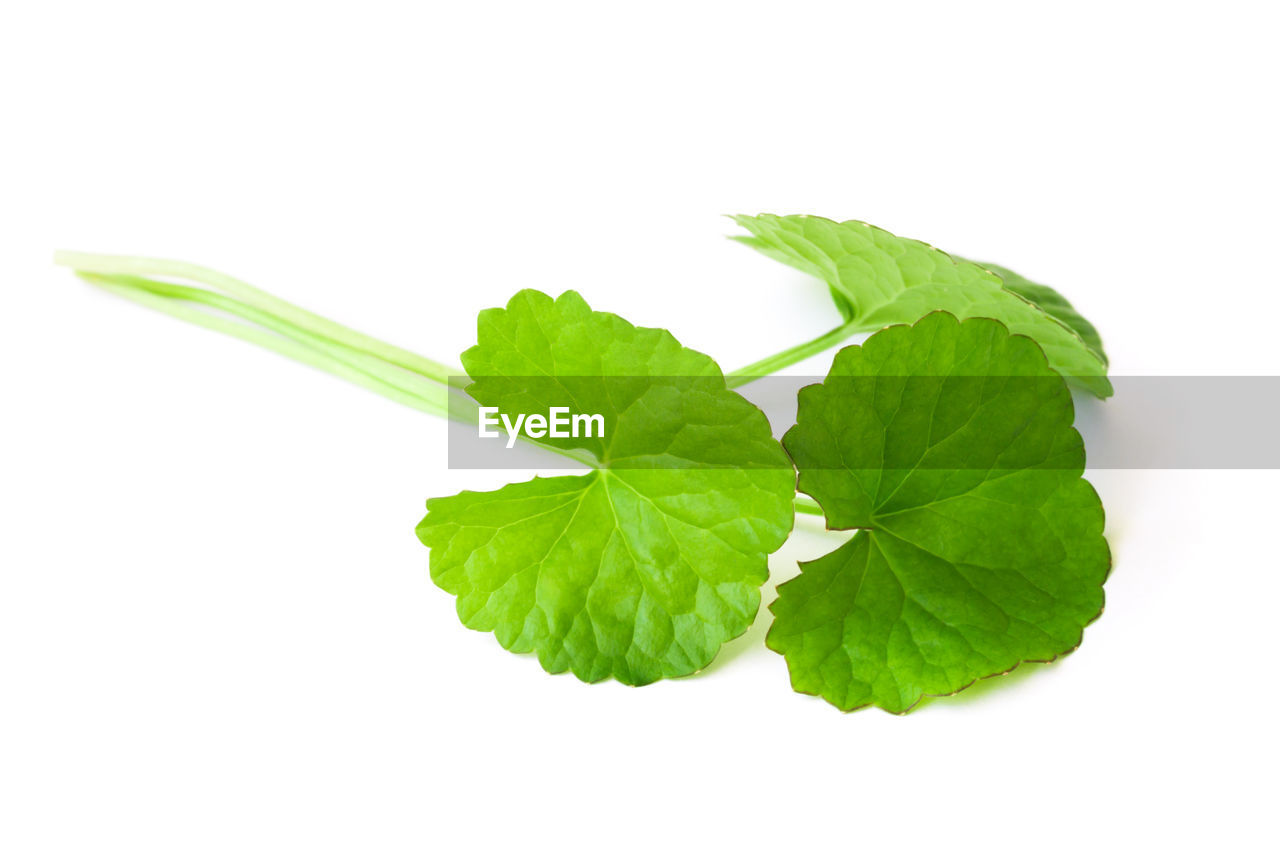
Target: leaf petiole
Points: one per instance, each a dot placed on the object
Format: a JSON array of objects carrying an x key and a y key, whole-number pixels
[
  {"x": 326, "y": 329},
  {"x": 795, "y": 354},
  {"x": 807, "y": 506},
  {"x": 386, "y": 373}
]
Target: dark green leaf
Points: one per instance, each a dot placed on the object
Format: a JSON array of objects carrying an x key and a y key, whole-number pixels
[
  {"x": 1053, "y": 303},
  {"x": 949, "y": 445}
]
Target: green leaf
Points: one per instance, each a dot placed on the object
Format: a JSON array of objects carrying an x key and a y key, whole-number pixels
[
  {"x": 1053, "y": 303},
  {"x": 950, "y": 445},
  {"x": 642, "y": 568},
  {"x": 878, "y": 279}
]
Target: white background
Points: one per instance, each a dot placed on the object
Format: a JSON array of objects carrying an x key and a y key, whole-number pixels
[{"x": 215, "y": 621}]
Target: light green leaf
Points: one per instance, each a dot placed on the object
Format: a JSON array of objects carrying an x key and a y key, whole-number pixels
[
  {"x": 878, "y": 279},
  {"x": 642, "y": 568},
  {"x": 950, "y": 446}
]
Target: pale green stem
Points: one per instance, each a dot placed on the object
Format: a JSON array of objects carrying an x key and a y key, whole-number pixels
[
  {"x": 318, "y": 357},
  {"x": 373, "y": 373},
  {"x": 263, "y": 301},
  {"x": 390, "y": 374}
]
